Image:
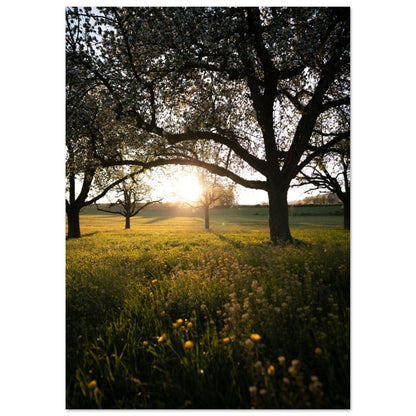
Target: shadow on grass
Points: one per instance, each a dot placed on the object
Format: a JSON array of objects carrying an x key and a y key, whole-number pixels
[
  {"x": 265, "y": 243},
  {"x": 157, "y": 219},
  {"x": 90, "y": 234},
  {"x": 81, "y": 236}
]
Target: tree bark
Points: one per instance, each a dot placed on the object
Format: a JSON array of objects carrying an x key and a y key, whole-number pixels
[
  {"x": 279, "y": 215},
  {"x": 206, "y": 212},
  {"x": 74, "y": 230},
  {"x": 127, "y": 227},
  {"x": 347, "y": 211}
]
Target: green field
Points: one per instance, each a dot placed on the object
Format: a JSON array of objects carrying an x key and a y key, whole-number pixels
[
  {"x": 167, "y": 315},
  {"x": 248, "y": 217}
]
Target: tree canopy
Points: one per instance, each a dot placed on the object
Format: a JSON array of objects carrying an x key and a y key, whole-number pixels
[{"x": 238, "y": 91}]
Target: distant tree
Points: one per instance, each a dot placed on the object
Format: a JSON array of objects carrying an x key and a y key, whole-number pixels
[
  {"x": 333, "y": 174},
  {"x": 214, "y": 193},
  {"x": 227, "y": 196},
  {"x": 131, "y": 195},
  {"x": 323, "y": 198}
]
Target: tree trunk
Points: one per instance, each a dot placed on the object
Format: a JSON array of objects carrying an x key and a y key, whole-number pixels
[
  {"x": 72, "y": 215},
  {"x": 279, "y": 215},
  {"x": 127, "y": 227},
  {"x": 347, "y": 212},
  {"x": 206, "y": 212}
]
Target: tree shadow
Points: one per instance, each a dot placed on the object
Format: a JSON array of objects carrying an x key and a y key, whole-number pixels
[
  {"x": 157, "y": 219},
  {"x": 232, "y": 242},
  {"x": 265, "y": 243},
  {"x": 90, "y": 234}
]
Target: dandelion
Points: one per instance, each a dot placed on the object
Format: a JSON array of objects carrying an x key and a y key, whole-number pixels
[
  {"x": 252, "y": 390},
  {"x": 189, "y": 324},
  {"x": 189, "y": 345},
  {"x": 255, "y": 337},
  {"x": 318, "y": 351},
  {"x": 154, "y": 280},
  {"x": 226, "y": 340},
  {"x": 262, "y": 392},
  {"x": 281, "y": 360},
  {"x": 271, "y": 370},
  {"x": 178, "y": 323},
  {"x": 145, "y": 343},
  {"x": 92, "y": 384},
  {"x": 161, "y": 338}
]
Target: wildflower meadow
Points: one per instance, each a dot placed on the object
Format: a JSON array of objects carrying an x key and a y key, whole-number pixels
[{"x": 169, "y": 316}]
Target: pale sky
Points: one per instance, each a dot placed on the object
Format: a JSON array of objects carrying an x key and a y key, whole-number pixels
[{"x": 182, "y": 185}]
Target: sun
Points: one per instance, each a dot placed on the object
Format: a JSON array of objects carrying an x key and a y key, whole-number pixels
[{"x": 186, "y": 188}]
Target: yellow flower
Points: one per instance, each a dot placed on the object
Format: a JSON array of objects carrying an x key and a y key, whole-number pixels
[
  {"x": 189, "y": 345},
  {"x": 318, "y": 351},
  {"x": 179, "y": 321},
  {"x": 226, "y": 339},
  {"x": 161, "y": 338},
  {"x": 189, "y": 324},
  {"x": 271, "y": 370},
  {"x": 255, "y": 337},
  {"x": 145, "y": 343},
  {"x": 154, "y": 280},
  {"x": 281, "y": 360},
  {"x": 92, "y": 384}
]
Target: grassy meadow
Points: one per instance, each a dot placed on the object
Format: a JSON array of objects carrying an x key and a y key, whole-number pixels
[{"x": 167, "y": 315}]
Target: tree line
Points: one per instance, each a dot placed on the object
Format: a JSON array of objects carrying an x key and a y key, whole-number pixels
[{"x": 258, "y": 95}]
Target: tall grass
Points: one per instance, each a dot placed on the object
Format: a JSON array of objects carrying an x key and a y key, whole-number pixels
[{"x": 187, "y": 319}]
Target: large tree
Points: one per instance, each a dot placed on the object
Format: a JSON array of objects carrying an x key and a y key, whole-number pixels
[{"x": 257, "y": 84}]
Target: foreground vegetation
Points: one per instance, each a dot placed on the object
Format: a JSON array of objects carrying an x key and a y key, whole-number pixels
[{"x": 168, "y": 316}]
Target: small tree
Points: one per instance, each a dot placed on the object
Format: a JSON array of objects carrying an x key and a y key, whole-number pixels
[
  {"x": 214, "y": 193},
  {"x": 131, "y": 193}
]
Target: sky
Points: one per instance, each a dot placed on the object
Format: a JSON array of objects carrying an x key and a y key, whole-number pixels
[{"x": 183, "y": 186}]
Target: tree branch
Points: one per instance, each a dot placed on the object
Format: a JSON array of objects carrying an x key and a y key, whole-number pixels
[
  {"x": 319, "y": 150},
  {"x": 253, "y": 161},
  {"x": 335, "y": 103},
  {"x": 107, "y": 210},
  {"x": 252, "y": 184},
  {"x": 112, "y": 185},
  {"x": 145, "y": 205}
]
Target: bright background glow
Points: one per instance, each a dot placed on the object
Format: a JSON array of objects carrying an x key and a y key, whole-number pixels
[{"x": 182, "y": 188}]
